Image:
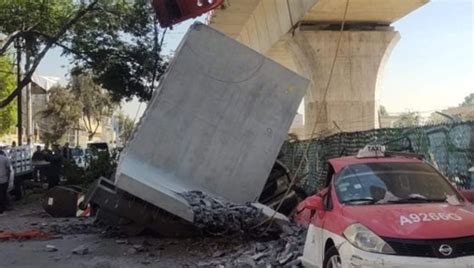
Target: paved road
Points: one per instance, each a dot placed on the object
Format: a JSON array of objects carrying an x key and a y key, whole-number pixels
[{"x": 104, "y": 252}]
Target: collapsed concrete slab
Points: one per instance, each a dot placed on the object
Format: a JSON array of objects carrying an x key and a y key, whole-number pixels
[{"x": 215, "y": 125}]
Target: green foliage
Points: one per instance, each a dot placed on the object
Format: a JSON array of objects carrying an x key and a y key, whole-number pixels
[
  {"x": 100, "y": 164},
  {"x": 96, "y": 102},
  {"x": 120, "y": 45},
  {"x": 436, "y": 118},
  {"x": 408, "y": 119},
  {"x": 73, "y": 174},
  {"x": 48, "y": 16},
  {"x": 7, "y": 85},
  {"x": 126, "y": 127},
  {"x": 116, "y": 41},
  {"x": 60, "y": 115},
  {"x": 468, "y": 100},
  {"x": 383, "y": 110}
]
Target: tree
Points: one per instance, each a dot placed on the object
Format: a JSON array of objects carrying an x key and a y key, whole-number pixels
[
  {"x": 126, "y": 126},
  {"x": 122, "y": 48},
  {"x": 96, "y": 103},
  {"x": 7, "y": 85},
  {"x": 25, "y": 33},
  {"x": 60, "y": 115},
  {"x": 468, "y": 100},
  {"x": 436, "y": 118},
  {"x": 408, "y": 119},
  {"x": 383, "y": 110},
  {"x": 116, "y": 41}
]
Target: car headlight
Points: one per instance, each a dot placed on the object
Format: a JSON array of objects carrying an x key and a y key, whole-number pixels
[{"x": 364, "y": 239}]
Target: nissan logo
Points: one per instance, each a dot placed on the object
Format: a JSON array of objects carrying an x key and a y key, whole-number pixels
[{"x": 445, "y": 250}]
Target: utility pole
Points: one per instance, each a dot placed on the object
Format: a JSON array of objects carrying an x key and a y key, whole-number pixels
[
  {"x": 29, "y": 106},
  {"x": 18, "y": 96}
]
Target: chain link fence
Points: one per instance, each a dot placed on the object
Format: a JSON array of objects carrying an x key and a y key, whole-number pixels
[{"x": 450, "y": 147}]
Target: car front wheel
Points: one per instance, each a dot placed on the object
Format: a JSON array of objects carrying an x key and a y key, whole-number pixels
[{"x": 332, "y": 259}]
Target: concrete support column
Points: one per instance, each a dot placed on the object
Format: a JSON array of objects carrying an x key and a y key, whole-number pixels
[{"x": 351, "y": 102}]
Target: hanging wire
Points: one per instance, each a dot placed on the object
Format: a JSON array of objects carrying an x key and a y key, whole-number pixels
[
  {"x": 156, "y": 53},
  {"x": 318, "y": 118}
]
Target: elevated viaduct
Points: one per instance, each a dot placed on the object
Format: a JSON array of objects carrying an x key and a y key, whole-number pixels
[{"x": 303, "y": 36}]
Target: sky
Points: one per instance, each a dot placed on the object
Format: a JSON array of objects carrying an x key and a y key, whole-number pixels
[{"x": 431, "y": 68}]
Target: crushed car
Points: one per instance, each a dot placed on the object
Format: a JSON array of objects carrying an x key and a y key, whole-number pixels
[{"x": 381, "y": 209}]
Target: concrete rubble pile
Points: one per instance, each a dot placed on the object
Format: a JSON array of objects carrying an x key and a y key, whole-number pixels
[
  {"x": 207, "y": 142},
  {"x": 282, "y": 252},
  {"x": 219, "y": 217}
]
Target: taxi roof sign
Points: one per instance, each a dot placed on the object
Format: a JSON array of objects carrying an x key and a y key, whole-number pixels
[{"x": 371, "y": 150}]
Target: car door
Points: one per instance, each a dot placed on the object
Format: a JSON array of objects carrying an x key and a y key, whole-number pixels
[{"x": 320, "y": 220}]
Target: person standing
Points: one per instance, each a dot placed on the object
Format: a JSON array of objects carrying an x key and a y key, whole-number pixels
[
  {"x": 5, "y": 172},
  {"x": 67, "y": 154},
  {"x": 46, "y": 151},
  {"x": 46, "y": 156},
  {"x": 55, "y": 166},
  {"x": 38, "y": 170}
]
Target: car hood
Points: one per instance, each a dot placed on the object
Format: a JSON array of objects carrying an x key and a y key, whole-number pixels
[{"x": 415, "y": 221}]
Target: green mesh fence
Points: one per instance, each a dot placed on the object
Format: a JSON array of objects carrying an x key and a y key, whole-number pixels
[{"x": 450, "y": 147}]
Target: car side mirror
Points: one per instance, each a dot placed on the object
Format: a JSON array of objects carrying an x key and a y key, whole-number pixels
[{"x": 314, "y": 202}]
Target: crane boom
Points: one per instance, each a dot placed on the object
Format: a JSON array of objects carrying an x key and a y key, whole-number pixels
[{"x": 171, "y": 12}]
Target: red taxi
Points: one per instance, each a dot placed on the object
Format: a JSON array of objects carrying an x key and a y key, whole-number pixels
[{"x": 386, "y": 210}]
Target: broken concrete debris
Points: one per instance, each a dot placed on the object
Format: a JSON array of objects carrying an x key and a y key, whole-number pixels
[
  {"x": 216, "y": 216},
  {"x": 81, "y": 250},
  {"x": 288, "y": 248},
  {"x": 139, "y": 248},
  {"x": 218, "y": 254},
  {"x": 132, "y": 251},
  {"x": 283, "y": 251},
  {"x": 51, "y": 248},
  {"x": 145, "y": 262}
]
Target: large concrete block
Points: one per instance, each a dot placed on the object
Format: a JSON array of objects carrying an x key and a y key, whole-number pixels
[{"x": 215, "y": 124}]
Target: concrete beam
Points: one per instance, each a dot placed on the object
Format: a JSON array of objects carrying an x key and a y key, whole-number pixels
[
  {"x": 215, "y": 124},
  {"x": 372, "y": 11},
  {"x": 260, "y": 24},
  {"x": 302, "y": 35}
]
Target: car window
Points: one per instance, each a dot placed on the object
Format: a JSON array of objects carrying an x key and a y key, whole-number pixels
[{"x": 391, "y": 183}]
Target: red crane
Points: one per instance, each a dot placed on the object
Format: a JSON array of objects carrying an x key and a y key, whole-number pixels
[{"x": 171, "y": 12}]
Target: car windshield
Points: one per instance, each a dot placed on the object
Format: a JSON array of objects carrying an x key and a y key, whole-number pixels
[{"x": 385, "y": 183}]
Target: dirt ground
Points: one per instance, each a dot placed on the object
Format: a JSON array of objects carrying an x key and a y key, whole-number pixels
[{"x": 103, "y": 251}]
